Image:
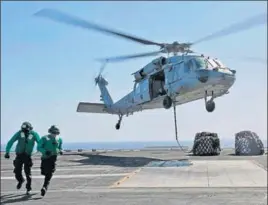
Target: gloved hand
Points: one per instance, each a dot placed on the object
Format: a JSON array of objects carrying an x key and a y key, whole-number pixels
[
  {"x": 61, "y": 152},
  {"x": 7, "y": 156},
  {"x": 48, "y": 153}
]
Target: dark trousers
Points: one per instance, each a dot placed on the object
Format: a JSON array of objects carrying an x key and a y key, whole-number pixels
[
  {"x": 48, "y": 167},
  {"x": 26, "y": 160}
]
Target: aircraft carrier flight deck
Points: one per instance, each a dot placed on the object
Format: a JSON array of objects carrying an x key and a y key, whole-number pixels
[{"x": 143, "y": 177}]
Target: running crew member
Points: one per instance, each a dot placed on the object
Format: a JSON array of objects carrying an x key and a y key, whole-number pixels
[
  {"x": 50, "y": 146},
  {"x": 26, "y": 138}
]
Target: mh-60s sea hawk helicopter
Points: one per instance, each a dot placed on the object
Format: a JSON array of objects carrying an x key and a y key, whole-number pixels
[{"x": 165, "y": 81}]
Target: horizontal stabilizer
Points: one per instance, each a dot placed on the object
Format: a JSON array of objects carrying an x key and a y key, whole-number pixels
[{"x": 91, "y": 107}]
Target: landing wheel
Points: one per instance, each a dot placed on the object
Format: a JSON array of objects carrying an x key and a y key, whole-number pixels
[
  {"x": 117, "y": 126},
  {"x": 210, "y": 106},
  {"x": 167, "y": 102}
]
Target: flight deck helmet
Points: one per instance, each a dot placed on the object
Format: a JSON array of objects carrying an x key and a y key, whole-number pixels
[
  {"x": 26, "y": 127},
  {"x": 54, "y": 130}
]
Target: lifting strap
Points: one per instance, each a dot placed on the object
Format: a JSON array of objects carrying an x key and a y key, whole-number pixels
[{"x": 176, "y": 128}]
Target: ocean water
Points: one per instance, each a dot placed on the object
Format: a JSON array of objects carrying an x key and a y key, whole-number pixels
[{"x": 126, "y": 145}]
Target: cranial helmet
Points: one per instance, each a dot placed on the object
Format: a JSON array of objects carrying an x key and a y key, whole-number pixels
[
  {"x": 54, "y": 130},
  {"x": 26, "y": 126}
]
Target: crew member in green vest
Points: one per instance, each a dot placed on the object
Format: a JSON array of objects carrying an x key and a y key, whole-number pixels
[
  {"x": 50, "y": 146},
  {"x": 26, "y": 139}
]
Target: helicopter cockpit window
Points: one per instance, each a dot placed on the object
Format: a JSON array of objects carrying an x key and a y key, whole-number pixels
[
  {"x": 220, "y": 64},
  {"x": 211, "y": 63},
  {"x": 200, "y": 63}
]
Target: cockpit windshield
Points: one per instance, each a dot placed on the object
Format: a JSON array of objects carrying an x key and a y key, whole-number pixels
[
  {"x": 204, "y": 63},
  {"x": 212, "y": 63},
  {"x": 200, "y": 62},
  {"x": 219, "y": 63}
]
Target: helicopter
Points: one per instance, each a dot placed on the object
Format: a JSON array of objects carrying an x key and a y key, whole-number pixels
[{"x": 165, "y": 81}]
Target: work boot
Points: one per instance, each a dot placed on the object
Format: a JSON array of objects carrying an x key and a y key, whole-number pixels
[
  {"x": 28, "y": 192},
  {"x": 29, "y": 189},
  {"x": 43, "y": 191},
  {"x": 20, "y": 183}
]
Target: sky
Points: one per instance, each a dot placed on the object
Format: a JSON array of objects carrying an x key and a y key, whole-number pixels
[{"x": 47, "y": 68}]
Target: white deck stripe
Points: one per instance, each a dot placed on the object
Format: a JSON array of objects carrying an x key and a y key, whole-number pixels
[
  {"x": 72, "y": 176},
  {"x": 143, "y": 190},
  {"x": 66, "y": 169}
]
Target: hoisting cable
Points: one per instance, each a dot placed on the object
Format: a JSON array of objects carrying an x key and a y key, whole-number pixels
[{"x": 176, "y": 128}]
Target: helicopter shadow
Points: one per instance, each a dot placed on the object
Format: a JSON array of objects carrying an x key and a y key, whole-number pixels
[
  {"x": 118, "y": 161},
  {"x": 13, "y": 198}
]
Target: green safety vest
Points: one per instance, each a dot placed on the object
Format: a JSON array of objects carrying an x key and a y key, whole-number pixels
[
  {"x": 25, "y": 143},
  {"x": 49, "y": 143}
]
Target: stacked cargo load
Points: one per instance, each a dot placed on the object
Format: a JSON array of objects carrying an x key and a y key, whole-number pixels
[
  {"x": 206, "y": 144},
  {"x": 248, "y": 143}
]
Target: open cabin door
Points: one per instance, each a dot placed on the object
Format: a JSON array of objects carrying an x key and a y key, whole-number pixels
[{"x": 157, "y": 84}]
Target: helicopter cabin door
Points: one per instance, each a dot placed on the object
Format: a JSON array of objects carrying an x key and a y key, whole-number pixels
[
  {"x": 142, "y": 92},
  {"x": 174, "y": 73}
]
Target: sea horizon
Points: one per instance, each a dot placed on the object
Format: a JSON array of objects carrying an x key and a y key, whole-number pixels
[{"x": 131, "y": 145}]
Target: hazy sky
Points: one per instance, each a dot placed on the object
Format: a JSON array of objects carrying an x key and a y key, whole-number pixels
[{"x": 47, "y": 68}]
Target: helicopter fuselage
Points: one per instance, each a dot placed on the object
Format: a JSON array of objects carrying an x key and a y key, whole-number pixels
[
  {"x": 182, "y": 78},
  {"x": 164, "y": 83}
]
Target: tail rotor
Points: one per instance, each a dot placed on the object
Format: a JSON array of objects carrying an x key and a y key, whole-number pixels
[{"x": 99, "y": 76}]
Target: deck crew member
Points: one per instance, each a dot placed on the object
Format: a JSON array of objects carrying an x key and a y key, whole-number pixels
[
  {"x": 26, "y": 138},
  {"x": 50, "y": 146}
]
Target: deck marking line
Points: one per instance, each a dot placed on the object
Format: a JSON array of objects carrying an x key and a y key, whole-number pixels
[
  {"x": 68, "y": 176},
  {"x": 258, "y": 164},
  {"x": 125, "y": 178},
  {"x": 67, "y": 169}
]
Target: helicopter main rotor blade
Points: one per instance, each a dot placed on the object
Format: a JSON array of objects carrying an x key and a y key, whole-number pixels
[
  {"x": 75, "y": 21},
  {"x": 122, "y": 58},
  {"x": 237, "y": 27}
]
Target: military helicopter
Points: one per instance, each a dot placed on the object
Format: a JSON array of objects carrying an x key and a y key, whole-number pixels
[{"x": 165, "y": 81}]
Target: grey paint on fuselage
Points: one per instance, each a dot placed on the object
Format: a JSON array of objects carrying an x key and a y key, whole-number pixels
[{"x": 180, "y": 80}]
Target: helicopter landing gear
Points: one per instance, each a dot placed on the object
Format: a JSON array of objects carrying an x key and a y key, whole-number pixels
[
  {"x": 167, "y": 102},
  {"x": 210, "y": 104},
  {"x": 117, "y": 126}
]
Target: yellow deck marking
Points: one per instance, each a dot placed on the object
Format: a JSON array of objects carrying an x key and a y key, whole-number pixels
[{"x": 120, "y": 181}]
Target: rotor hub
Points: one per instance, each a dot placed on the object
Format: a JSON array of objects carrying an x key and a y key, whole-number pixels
[{"x": 176, "y": 47}]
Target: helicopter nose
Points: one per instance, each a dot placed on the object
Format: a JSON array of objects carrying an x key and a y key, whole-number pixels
[
  {"x": 223, "y": 78},
  {"x": 228, "y": 78},
  {"x": 216, "y": 77}
]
